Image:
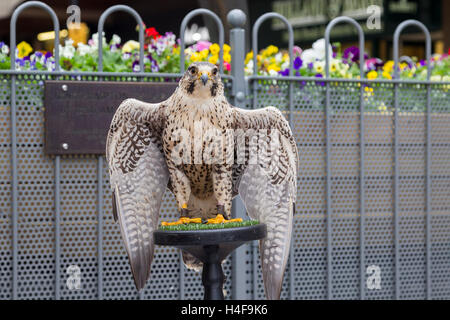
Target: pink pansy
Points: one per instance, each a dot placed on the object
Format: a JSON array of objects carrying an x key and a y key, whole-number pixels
[
  {"x": 202, "y": 45},
  {"x": 297, "y": 50}
]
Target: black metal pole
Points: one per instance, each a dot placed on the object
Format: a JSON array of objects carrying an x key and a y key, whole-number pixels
[{"x": 212, "y": 275}]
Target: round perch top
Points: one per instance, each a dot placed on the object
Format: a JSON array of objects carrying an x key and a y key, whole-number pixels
[
  {"x": 211, "y": 236},
  {"x": 236, "y": 18}
]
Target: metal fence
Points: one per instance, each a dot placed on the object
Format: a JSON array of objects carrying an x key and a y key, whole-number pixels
[{"x": 373, "y": 187}]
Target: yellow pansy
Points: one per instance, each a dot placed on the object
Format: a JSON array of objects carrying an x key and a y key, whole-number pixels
[
  {"x": 386, "y": 75},
  {"x": 227, "y": 57},
  {"x": 372, "y": 75},
  {"x": 196, "y": 57},
  {"x": 273, "y": 67},
  {"x": 333, "y": 66},
  {"x": 130, "y": 45},
  {"x": 213, "y": 59},
  {"x": 248, "y": 57},
  {"x": 204, "y": 54},
  {"x": 403, "y": 65},
  {"x": 272, "y": 49},
  {"x": 24, "y": 49},
  {"x": 214, "y": 48},
  {"x": 226, "y": 48},
  {"x": 388, "y": 66}
]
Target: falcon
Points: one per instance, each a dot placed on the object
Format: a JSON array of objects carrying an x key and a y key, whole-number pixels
[{"x": 206, "y": 152}]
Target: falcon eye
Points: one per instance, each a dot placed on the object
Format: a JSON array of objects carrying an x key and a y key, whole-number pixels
[
  {"x": 193, "y": 70},
  {"x": 214, "y": 72}
]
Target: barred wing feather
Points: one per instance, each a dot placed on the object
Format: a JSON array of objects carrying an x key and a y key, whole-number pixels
[
  {"x": 139, "y": 177},
  {"x": 266, "y": 180}
]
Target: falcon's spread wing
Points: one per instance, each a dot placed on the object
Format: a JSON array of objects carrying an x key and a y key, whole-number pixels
[
  {"x": 139, "y": 178},
  {"x": 265, "y": 176}
]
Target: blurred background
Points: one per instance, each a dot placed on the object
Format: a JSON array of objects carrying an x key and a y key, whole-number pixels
[{"x": 308, "y": 17}]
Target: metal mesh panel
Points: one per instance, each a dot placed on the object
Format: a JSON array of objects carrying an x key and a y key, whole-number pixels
[
  {"x": 379, "y": 243},
  {"x": 79, "y": 228},
  {"x": 5, "y": 191},
  {"x": 308, "y": 279},
  {"x": 440, "y": 192}
]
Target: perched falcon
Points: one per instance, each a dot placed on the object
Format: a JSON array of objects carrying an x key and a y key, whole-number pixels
[{"x": 206, "y": 152}]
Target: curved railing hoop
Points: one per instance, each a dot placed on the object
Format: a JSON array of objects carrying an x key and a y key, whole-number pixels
[
  {"x": 330, "y": 26},
  {"x": 397, "y": 34},
  {"x": 101, "y": 23},
  {"x": 13, "y": 23},
  {"x": 184, "y": 23},
  {"x": 255, "y": 30}
]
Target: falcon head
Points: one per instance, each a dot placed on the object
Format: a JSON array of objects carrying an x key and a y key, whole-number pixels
[{"x": 202, "y": 79}]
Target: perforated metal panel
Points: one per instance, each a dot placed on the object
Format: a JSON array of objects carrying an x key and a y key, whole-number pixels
[
  {"x": 79, "y": 217},
  {"x": 56, "y": 212},
  {"x": 310, "y": 272},
  {"x": 79, "y": 241}
]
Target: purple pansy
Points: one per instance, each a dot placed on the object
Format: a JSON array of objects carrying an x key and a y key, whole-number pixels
[
  {"x": 319, "y": 75},
  {"x": 373, "y": 64},
  {"x": 285, "y": 72},
  {"x": 352, "y": 54},
  {"x": 136, "y": 67},
  {"x": 297, "y": 63}
]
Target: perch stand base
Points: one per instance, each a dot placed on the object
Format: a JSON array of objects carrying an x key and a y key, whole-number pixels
[{"x": 211, "y": 247}]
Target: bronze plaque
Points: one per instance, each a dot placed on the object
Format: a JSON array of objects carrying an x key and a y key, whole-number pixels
[{"x": 78, "y": 114}]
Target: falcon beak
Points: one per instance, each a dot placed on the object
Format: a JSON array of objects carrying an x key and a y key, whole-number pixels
[{"x": 204, "y": 77}]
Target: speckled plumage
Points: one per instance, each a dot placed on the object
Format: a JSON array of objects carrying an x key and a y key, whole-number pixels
[{"x": 206, "y": 152}]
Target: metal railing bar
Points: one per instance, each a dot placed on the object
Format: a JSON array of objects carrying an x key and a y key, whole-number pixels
[
  {"x": 397, "y": 34},
  {"x": 100, "y": 227},
  {"x": 101, "y": 23},
  {"x": 361, "y": 139},
  {"x": 100, "y": 74},
  {"x": 14, "y": 169},
  {"x": 57, "y": 227},
  {"x": 257, "y": 25},
  {"x": 184, "y": 23},
  {"x": 365, "y": 81},
  {"x": 15, "y": 16}
]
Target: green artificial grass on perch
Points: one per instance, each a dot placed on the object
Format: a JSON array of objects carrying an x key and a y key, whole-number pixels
[{"x": 204, "y": 226}]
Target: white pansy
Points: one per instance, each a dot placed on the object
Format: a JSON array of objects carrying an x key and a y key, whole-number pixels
[
  {"x": 67, "y": 51},
  {"x": 115, "y": 39},
  {"x": 319, "y": 66},
  {"x": 436, "y": 78},
  {"x": 308, "y": 56},
  {"x": 285, "y": 65},
  {"x": 317, "y": 52},
  {"x": 5, "y": 49},
  {"x": 279, "y": 57},
  {"x": 272, "y": 73},
  {"x": 249, "y": 68},
  {"x": 69, "y": 43},
  {"x": 95, "y": 39},
  {"x": 84, "y": 49}
]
